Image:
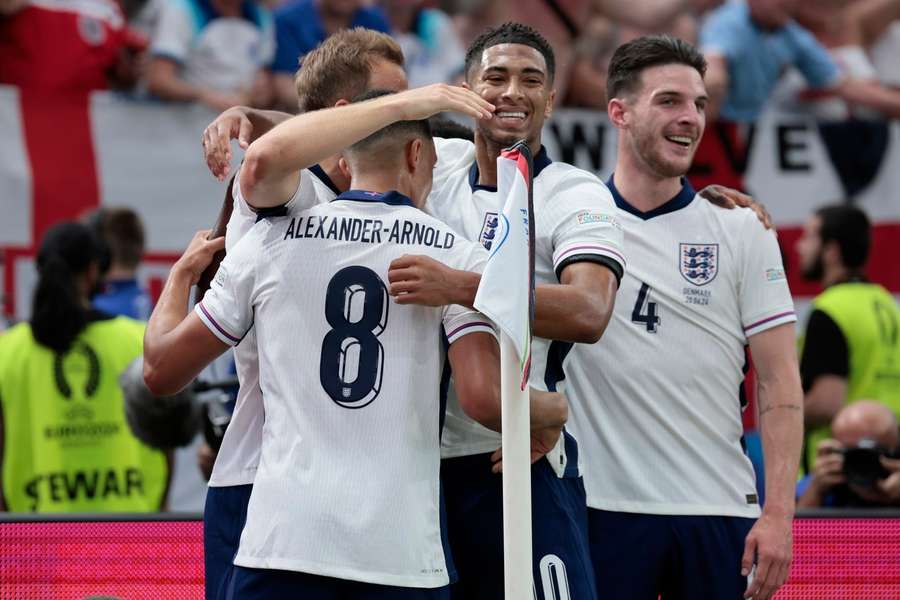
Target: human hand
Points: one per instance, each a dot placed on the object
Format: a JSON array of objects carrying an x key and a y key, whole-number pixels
[
  {"x": 231, "y": 124},
  {"x": 727, "y": 197},
  {"x": 828, "y": 469},
  {"x": 199, "y": 254},
  {"x": 417, "y": 279},
  {"x": 770, "y": 542},
  {"x": 206, "y": 458},
  {"x": 543, "y": 440},
  {"x": 890, "y": 485},
  {"x": 421, "y": 103}
]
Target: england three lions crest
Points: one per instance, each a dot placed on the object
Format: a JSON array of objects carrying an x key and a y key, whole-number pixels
[
  {"x": 699, "y": 263},
  {"x": 489, "y": 230}
]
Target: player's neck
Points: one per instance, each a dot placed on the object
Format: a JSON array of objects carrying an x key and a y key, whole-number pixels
[
  {"x": 120, "y": 273},
  {"x": 640, "y": 188},
  {"x": 337, "y": 177},
  {"x": 836, "y": 274},
  {"x": 486, "y": 153},
  {"x": 380, "y": 183}
]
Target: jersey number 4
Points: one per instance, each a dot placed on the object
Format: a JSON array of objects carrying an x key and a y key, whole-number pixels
[
  {"x": 356, "y": 308},
  {"x": 649, "y": 318}
]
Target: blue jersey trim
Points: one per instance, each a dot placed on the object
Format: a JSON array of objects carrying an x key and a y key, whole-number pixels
[
  {"x": 322, "y": 176},
  {"x": 681, "y": 200},
  {"x": 392, "y": 197},
  {"x": 540, "y": 162},
  {"x": 556, "y": 355}
]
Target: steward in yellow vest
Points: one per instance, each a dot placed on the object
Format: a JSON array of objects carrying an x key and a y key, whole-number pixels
[
  {"x": 66, "y": 446},
  {"x": 851, "y": 347}
]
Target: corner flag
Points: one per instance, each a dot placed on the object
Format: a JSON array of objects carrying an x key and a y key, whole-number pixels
[{"x": 506, "y": 296}]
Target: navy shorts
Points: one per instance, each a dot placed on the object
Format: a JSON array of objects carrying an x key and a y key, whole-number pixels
[
  {"x": 562, "y": 567},
  {"x": 258, "y": 584},
  {"x": 643, "y": 557},
  {"x": 223, "y": 521}
]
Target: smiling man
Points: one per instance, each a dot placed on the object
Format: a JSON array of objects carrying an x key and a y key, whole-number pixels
[
  {"x": 673, "y": 510},
  {"x": 578, "y": 264}
]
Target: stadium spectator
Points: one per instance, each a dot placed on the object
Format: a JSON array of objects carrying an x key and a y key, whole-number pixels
[
  {"x": 859, "y": 466},
  {"x": 431, "y": 46},
  {"x": 212, "y": 51},
  {"x": 673, "y": 509},
  {"x": 304, "y": 24},
  {"x": 742, "y": 76},
  {"x": 567, "y": 25},
  {"x": 123, "y": 234},
  {"x": 847, "y": 32},
  {"x": 61, "y": 46},
  {"x": 851, "y": 346},
  {"x": 66, "y": 445}
]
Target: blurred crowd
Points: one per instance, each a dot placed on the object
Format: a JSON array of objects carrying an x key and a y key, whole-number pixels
[{"x": 246, "y": 52}]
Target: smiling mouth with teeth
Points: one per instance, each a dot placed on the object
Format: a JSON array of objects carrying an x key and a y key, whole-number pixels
[
  {"x": 681, "y": 140},
  {"x": 517, "y": 115}
]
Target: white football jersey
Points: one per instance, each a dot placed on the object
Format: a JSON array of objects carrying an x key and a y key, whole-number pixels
[
  {"x": 348, "y": 479},
  {"x": 574, "y": 221},
  {"x": 655, "y": 404},
  {"x": 238, "y": 455}
]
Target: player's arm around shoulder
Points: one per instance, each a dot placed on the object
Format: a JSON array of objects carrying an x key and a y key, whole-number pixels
[{"x": 177, "y": 344}]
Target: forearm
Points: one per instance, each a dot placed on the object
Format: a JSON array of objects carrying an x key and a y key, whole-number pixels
[
  {"x": 170, "y": 87},
  {"x": 309, "y": 138},
  {"x": 569, "y": 314},
  {"x": 263, "y": 120},
  {"x": 872, "y": 95},
  {"x": 824, "y": 400},
  {"x": 169, "y": 312},
  {"x": 546, "y": 409},
  {"x": 781, "y": 425}
]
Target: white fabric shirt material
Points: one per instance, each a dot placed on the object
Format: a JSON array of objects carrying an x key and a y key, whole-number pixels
[
  {"x": 574, "y": 217},
  {"x": 654, "y": 405},
  {"x": 348, "y": 479},
  {"x": 238, "y": 455},
  {"x": 222, "y": 53}
]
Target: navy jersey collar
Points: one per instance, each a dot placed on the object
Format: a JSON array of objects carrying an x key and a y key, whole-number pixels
[
  {"x": 679, "y": 201},
  {"x": 249, "y": 12},
  {"x": 540, "y": 162},
  {"x": 392, "y": 197},
  {"x": 322, "y": 176}
]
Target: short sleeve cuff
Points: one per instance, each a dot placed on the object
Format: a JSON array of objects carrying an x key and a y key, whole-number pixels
[
  {"x": 470, "y": 322},
  {"x": 600, "y": 253},
  {"x": 215, "y": 326},
  {"x": 765, "y": 322}
]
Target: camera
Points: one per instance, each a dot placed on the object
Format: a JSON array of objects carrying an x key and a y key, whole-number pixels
[{"x": 862, "y": 464}]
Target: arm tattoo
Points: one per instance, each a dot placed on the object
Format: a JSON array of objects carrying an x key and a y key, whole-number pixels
[{"x": 766, "y": 409}]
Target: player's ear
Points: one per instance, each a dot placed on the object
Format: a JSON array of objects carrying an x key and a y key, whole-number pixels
[
  {"x": 342, "y": 102},
  {"x": 548, "y": 109},
  {"x": 413, "y": 154},
  {"x": 344, "y": 167},
  {"x": 617, "y": 110}
]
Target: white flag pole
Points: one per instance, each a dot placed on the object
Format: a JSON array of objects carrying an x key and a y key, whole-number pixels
[{"x": 516, "y": 439}]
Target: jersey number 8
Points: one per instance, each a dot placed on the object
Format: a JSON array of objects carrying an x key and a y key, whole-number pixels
[{"x": 356, "y": 308}]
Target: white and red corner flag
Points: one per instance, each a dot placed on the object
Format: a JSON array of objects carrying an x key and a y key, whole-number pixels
[
  {"x": 506, "y": 296},
  {"x": 506, "y": 292}
]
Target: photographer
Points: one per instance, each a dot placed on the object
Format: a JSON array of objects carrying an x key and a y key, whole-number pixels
[{"x": 857, "y": 467}]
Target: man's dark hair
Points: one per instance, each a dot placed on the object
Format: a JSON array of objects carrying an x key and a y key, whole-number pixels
[
  {"x": 444, "y": 127},
  {"x": 120, "y": 228},
  {"x": 511, "y": 33},
  {"x": 630, "y": 59},
  {"x": 850, "y": 228},
  {"x": 399, "y": 131}
]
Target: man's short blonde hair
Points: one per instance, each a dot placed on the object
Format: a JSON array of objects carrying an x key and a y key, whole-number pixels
[{"x": 341, "y": 65}]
